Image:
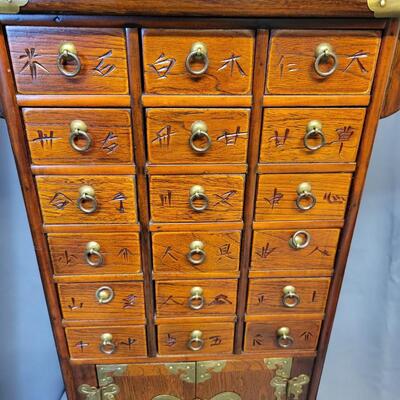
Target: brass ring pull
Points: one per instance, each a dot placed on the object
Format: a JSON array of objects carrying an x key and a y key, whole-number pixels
[
  {"x": 199, "y": 130},
  {"x": 196, "y": 342},
  {"x": 197, "y": 193},
  {"x": 323, "y": 53},
  {"x": 305, "y": 199},
  {"x": 196, "y": 299},
  {"x": 104, "y": 295},
  {"x": 198, "y": 52},
  {"x": 87, "y": 195},
  {"x": 196, "y": 255},
  {"x": 93, "y": 257},
  {"x": 300, "y": 240},
  {"x": 284, "y": 339},
  {"x": 68, "y": 53},
  {"x": 314, "y": 130},
  {"x": 79, "y": 130},
  {"x": 290, "y": 298},
  {"x": 107, "y": 346}
]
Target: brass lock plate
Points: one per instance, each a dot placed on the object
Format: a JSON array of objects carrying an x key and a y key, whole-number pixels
[
  {"x": 385, "y": 8},
  {"x": 11, "y": 6}
]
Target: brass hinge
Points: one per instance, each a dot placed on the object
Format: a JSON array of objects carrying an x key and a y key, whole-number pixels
[
  {"x": 385, "y": 8},
  {"x": 11, "y": 6}
]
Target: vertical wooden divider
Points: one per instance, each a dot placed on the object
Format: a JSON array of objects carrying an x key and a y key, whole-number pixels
[
  {"x": 259, "y": 76},
  {"x": 135, "y": 84}
]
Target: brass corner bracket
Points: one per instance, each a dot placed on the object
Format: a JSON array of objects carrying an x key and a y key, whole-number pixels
[
  {"x": 385, "y": 8},
  {"x": 11, "y": 6}
]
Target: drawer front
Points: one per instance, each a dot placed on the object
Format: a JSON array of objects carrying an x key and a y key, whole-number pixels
[
  {"x": 87, "y": 199},
  {"x": 287, "y": 295},
  {"x": 196, "y": 297},
  {"x": 297, "y": 64},
  {"x": 193, "y": 252},
  {"x": 189, "y": 135},
  {"x": 193, "y": 339},
  {"x": 106, "y": 342},
  {"x": 303, "y": 335},
  {"x": 287, "y": 196},
  {"x": 42, "y": 66},
  {"x": 79, "y": 136},
  {"x": 100, "y": 301},
  {"x": 173, "y": 63},
  {"x": 95, "y": 253},
  {"x": 196, "y": 198},
  {"x": 296, "y": 249},
  {"x": 311, "y": 134}
]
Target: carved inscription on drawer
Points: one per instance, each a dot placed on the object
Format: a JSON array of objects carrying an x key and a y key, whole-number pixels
[
  {"x": 293, "y": 56},
  {"x": 67, "y": 199},
  {"x": 215, "y": 197},
  {"x": 89, "y": 342},
  {"x": 226, "y": 59},
  {"x": 55, "y": 136},
  {"x": 318, "y": 196},
  {"x": 177, "y": 136},
  {"x": 35, "y": 52}
]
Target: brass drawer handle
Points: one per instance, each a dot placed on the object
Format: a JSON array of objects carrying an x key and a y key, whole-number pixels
[
  {"x": 68, "y": 53},
  {"x": 197, "y": 193},
  {"x": 314, "y": 131},
  {"x": 104, "y": 295},
  {"x": 79, "y": 131},
  {"x": 196, "y": 255},
  {"x": 290, "y": 298},
  {"x": 323, "y": 53},
  {"x": 300, "y": 240},
  {"x": 196, "y": 299},
  {"x": 283, "y": 336},
  {"x": 93, "y": 257},
  {"x": 198, "y": 52},
  {"x": 107, "y": 346},
  {"x": 196, "y": 342},
  {"x": 87, "y": 196},
  {"x": 199, "y": 131},
  {"x": 305, "y": 199}
]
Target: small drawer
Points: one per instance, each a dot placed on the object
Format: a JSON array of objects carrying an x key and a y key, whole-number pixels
[
  {"x": 95, "y": 253},
  {"x": 192, "y": 298},
  {"x": 196, "y": 198},
  {"x": 322, "y": 61},
  {"x": 101, "y": 301},
  {"x": 281, "y": 335},
  {"x": 190, "y": 338},
  {"x": 68, "y": 60},
  {"x": 198, "y": 61},
  {"x": 296, "y": 249},
  {"x": 268, "y": 296},
  {"x": 196, "y": 252},
  {"x": 311, "y": 134},
  {"x": 90, "y": 199},
  {"x": 191, "y": 136},
  {"x": 79, "y": 136},
  {"x": 294, "y": 197},
  {"x": 106, "y": 342}
]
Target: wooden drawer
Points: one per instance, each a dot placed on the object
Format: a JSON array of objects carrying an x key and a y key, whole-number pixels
[
  {"x": 35, "y": 52},
  {"x": 289, "y": 295},
  {"x": 114, "y": 194},
  {"x": 278, "y": 194},
  {"x": 262, "y": 336},
  {"x": 166, "y": 53},
  {"x": 90, "y": 342},
  {"x": 196, "y": 297},
  {"x": 100, "y": 301},
  {"x": 55, "y": 136},
  {"x": 170, "y": 197},
  {"x": 294, "y": 250},
  {"x": 196, "y": 252},
  {"x": 189, "y": 135},
  {"x": 73, "y": 254},
  {"x": 206, "y": 337},
  {"x": 294, "y": 53},
  {"x": 291, "y": 135}
]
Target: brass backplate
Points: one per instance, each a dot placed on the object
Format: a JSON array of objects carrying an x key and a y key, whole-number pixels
[
  {"x": 11, "y": 6},
  {"x": 385, "y": 8}
]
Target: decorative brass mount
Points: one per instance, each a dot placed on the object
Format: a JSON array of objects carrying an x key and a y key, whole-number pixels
[
  {"x": 11, "y": 6},
  {"x": 385, "y": 8}
]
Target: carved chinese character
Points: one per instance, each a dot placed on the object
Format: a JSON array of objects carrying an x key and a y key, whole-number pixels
[
  {"x": 120, "y": 197},
  {"x": 108, "y": 144},
  {"x": 162, "y": 66},
  {"x": 266, "y": 251},
  {"x": 274, "y": 199},
  {"x": 224, "y": 198},
  {"x": 102, "y": 67},
  {"x": 233, "y": 64},
  {"x": 44, "y": 138},
  {"x": 230, "y": 138},
  {"x": 356, "y": 59},
  {"x": 163, "y": 136},
  {"x": 60, "y": 201},
  {"x": 129, "y": 301},
  {"x": 32, "y": 63}
]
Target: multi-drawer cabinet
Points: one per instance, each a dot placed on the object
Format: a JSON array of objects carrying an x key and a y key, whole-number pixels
[{"x": 193, "y": 184}]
